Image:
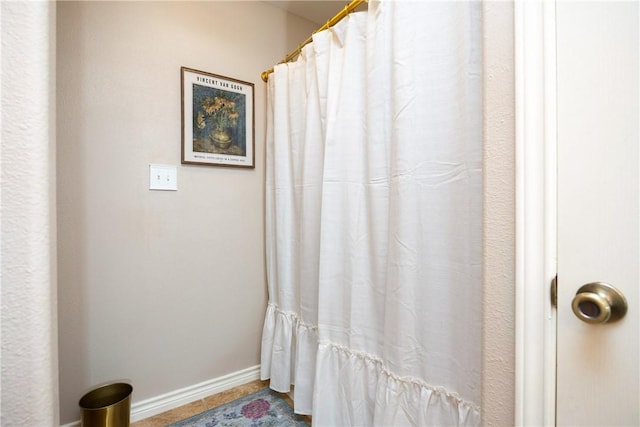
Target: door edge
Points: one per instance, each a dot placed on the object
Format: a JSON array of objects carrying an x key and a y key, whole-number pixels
[{"x": 536, "y": 208}]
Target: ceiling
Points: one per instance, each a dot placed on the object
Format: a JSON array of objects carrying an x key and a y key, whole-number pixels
[{"x": 315, "y": 11}]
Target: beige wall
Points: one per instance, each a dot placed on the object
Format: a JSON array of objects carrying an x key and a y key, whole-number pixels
[
  {"x": 28, "y": 327},
  {"x": 498, "y": 341},
  {"x": 166, "y": 289}
]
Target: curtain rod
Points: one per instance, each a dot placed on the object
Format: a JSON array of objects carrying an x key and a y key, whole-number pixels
[{"x": 330, "y": 23}]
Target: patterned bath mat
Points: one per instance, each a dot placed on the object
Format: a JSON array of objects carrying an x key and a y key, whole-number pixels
[{"x": 263, "y": 408}]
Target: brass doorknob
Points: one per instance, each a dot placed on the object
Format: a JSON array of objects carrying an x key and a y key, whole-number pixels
[{"x": 599, "y": 302}]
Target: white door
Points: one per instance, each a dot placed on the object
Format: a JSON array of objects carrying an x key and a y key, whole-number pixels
[{"x": 598, "y": 377}]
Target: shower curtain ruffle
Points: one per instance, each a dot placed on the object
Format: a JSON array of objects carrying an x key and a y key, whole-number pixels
[
  {"x": 375, "y": 396},
  {"x": 288, "y": 357}
]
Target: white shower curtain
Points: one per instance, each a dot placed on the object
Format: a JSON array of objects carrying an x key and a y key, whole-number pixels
[{"x": 374, "y": 219}]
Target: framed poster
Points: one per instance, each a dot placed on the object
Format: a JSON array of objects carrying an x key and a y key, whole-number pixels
[{"x": 217, "y": 120}]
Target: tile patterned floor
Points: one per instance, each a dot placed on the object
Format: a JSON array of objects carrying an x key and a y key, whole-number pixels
[{"x": 205, "y": 404}]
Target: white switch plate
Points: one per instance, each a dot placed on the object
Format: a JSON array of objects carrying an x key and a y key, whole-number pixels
[{"x": 163, "y": 177}]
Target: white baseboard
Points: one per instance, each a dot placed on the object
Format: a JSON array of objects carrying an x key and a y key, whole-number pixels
[{"x": 174, "y": 399}]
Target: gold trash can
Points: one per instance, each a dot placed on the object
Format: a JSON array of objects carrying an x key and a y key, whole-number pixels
[{"x": 107, "y": 406}]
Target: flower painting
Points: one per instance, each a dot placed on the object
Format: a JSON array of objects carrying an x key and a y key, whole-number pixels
[
  {"x": 219, "y": 126},
  {"x": 217, "y": 120}
]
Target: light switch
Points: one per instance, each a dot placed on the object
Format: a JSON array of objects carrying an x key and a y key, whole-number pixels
[{"x": 163, "y": 177}]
